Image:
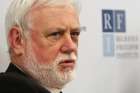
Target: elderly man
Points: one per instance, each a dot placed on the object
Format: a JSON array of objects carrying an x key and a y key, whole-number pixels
[{"x": 43, "y": 39}]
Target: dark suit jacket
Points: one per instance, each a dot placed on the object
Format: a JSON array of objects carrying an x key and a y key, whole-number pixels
[{"x": 15, "y": 81}]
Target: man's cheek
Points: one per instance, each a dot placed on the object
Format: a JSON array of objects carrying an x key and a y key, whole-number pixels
[{"x": 45, "y": 58}]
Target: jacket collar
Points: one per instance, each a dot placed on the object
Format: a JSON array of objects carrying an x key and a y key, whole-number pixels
[{"x": 13, "y": 68}]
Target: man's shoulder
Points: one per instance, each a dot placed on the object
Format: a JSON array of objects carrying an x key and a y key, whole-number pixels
[
  {"x": 11, "y": 82},
  {"x": 13, "y": 78}
]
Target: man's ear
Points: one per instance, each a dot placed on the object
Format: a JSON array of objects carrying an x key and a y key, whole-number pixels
[{"x": 16, "y": 40}]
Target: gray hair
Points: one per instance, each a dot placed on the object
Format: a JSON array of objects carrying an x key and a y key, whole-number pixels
[{"x": 19, "y": 8}]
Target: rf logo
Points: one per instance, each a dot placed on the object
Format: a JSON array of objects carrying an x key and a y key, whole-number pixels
[{"x": 112, "y": 21}]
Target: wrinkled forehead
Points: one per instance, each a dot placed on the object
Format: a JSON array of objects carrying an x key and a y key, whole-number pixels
[
  {"x": 65, "y": 8},
  {"x": 56, "y": 14},
  {"x": 38, "y": 4}
]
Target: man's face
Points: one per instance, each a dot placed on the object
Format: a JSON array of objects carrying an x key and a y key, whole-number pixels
[{"x": 51, "y": 51}]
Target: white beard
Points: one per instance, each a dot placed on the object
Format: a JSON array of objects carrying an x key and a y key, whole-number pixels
[{"x": 48, "y": 75}]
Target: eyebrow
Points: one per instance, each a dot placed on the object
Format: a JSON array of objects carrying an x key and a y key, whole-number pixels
[
  {"x": 61, "y": 29},
  {"x": 78, "y": 29},
  {"x": 51, "y": 30}
]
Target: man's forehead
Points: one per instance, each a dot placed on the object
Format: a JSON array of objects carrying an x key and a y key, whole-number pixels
[
  {"x": 51, "y": 12},
  {"x": 53, "y": 16},
  {"x": 59, "y": 8}
]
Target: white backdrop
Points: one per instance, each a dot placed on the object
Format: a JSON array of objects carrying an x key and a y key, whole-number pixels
[{"x": 97, "y": 73}]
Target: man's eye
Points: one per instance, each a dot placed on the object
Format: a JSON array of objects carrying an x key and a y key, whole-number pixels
[
  {"x": 75, "y": 34},
  {"x": 55, "y": 35}
]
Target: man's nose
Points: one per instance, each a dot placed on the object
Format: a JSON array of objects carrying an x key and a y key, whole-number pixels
[{"x": 69, "y": 45}]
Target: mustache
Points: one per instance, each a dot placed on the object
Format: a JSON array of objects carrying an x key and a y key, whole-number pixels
[{"x": 66, "y": 57}]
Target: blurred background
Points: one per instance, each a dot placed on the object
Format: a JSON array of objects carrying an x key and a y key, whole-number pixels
[{"x": 109, "y": 48}]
